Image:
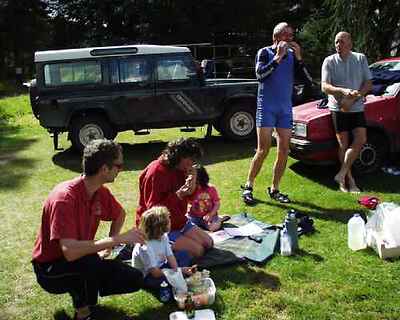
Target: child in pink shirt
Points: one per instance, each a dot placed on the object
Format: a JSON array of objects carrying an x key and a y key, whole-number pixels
[{"x": 204, "y": 204}]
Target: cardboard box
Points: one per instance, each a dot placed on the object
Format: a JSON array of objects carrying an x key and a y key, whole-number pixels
[{"x": 378, "y": 244}]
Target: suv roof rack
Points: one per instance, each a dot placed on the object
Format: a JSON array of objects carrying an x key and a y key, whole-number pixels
[{"x": 70, "y": 54}]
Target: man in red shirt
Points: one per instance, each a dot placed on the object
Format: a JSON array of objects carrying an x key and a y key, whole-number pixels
[
  {"x": 169, "y": 181},
  {"x": 66, "y": 258}
]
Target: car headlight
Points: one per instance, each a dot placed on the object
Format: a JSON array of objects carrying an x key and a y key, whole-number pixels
[{"x": 300, "y": 129}]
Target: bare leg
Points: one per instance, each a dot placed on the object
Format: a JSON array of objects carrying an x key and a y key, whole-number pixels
[
  {"x": 360, "y": 138},
  {"x": 350, "y": 155},
  {"x": 194, "y": 248},
  {"x": 200, "y": 236},
  {"x": 263, "y": 146},
  {"x": 281, "y": 157},
  {"x": 343, "y": 140}
]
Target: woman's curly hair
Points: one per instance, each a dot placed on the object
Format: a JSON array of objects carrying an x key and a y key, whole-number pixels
[{"x": 179, "y": 149}]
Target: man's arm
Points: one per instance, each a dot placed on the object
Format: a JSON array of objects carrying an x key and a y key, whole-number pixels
[
  {"x": 115, "y": 229},
  {"x": 365, "y": 88},
  {"x": 116, "y": 225},
  {"x": 265, "y": 66},
  {"x": 335, "y": 91},
  {"x": 74, "y": 249}
]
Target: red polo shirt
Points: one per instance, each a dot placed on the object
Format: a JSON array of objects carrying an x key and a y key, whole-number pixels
[
  {"x": 68, "y": 213},
  {"x": 157, "y": 186}
]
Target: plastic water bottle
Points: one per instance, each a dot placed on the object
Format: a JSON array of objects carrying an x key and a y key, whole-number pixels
[
  {"x": 286, "y": 247},
  {"x": 356, "y": 233},
  {"x": 291, "y": 227},
  {"x": 165, "y": 292}
]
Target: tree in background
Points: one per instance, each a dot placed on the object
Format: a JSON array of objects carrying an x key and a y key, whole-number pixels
[
  {"x": 30, "y": 25},
  {"x": 23, "y": 25},
  {"x": 373, "y": 24}
]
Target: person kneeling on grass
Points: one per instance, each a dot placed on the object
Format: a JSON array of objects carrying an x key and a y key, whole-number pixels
[
  {"x": 204, "y": 204},
  {"x": 66, "y": 258},
  {"x": 156, "y": 254}
]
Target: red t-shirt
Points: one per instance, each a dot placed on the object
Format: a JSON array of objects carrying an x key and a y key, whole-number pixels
[
  {"x": 68, "y": 213},
  {"x": 157, "y": 186},
  {"x": 202, "y": 201}
]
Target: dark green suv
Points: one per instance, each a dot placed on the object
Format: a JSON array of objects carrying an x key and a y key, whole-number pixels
[{"x": 97, "y": 92}]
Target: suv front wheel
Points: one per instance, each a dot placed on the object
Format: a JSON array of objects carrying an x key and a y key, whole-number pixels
[
  {"x": 87, "y": 128},
  {"x": 238, "y": 122}
]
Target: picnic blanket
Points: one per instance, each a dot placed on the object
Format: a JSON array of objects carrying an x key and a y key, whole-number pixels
[
  {"x": 238, "y": 249},
  {"x": 241, "y": 249}
]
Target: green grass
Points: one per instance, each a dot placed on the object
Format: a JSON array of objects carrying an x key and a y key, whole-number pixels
[{"x": 325, "y": 280}]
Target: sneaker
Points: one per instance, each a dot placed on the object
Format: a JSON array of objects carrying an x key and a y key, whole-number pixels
[
  {"x": 276, "y": 195},
  {"x": 247, "y": 195}
]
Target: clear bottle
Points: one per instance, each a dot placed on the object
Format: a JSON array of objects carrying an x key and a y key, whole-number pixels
[
  {"x": 291, "y": 227},
  {"x": 165, "y": 292},
  {"x": 286, "y": 247},
  {"x": 356, "y": 233}
]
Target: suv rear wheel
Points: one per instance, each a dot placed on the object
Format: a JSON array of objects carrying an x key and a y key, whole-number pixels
[
  {"x": 87, "y": 128},
  {"x": 372, "y": 154},
  {"x": 239, "y": 122}
]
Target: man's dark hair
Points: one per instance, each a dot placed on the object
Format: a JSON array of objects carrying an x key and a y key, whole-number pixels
[
  {"x": 202, "y": 177},
  {"x": 98, "y": 153},
  {"x": 179, "y": 149}
]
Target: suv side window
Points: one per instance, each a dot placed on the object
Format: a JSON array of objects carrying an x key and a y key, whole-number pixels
[
  {"x": 129, "y": 70},
  {"x": 72, "y": 73},
  {"x": 175, "y": 68}
]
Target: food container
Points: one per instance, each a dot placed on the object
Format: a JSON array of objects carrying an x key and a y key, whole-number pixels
[{"x": 203, "y": 297}]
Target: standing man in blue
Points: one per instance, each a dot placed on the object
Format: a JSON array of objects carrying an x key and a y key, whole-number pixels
[
  {"x": 275, "y": 69},
  {"x": 346, "y": 79}
]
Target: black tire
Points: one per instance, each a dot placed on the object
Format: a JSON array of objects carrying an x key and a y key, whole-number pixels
[
  {"x": 372, "y": 155},
  {"x": 86, "y": 128},
  {"x": 239, "y": 122}
]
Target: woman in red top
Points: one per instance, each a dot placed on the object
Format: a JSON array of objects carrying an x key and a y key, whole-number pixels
[{"x": 169, "y": 181}]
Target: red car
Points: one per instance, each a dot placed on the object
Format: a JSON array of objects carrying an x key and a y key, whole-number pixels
[{"x": 314, "y": 142}]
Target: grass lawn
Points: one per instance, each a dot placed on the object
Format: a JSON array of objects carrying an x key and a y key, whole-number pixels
[{"x": 325, "y": 280}]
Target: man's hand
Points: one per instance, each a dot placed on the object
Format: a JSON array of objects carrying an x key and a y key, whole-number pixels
[
  {"x": 281, "y": 51},
  {"x": 296, "y": 49},
  {"x": 347, "y": 102},
  {"x": 350, "y": 93},
  {"x": 131, "y": 237},
  {"x": 104, "y": 253}
]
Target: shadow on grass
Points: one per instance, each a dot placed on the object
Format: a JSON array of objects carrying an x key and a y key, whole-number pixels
[
  {"x": 377, "y": 181},
  {"x": 246, "y": 276},
  {"x": 12, "y": 165},
  {"x": 300, "y": 253},
  {"x": 313, "y": 210},
  {"x": 138, "y": 156},
  {"x": 102, "y": 312}
]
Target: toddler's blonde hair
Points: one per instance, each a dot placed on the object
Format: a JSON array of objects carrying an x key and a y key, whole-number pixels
[{"x": 155, "y": 222}]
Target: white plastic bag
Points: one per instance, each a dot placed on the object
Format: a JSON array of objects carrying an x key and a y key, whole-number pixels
[
  {"x": 176, "y": 280},
  {"x": 385, "y": 221}
]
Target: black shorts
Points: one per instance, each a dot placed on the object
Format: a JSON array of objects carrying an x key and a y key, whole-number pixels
[{"x": 348, "y": 121}]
